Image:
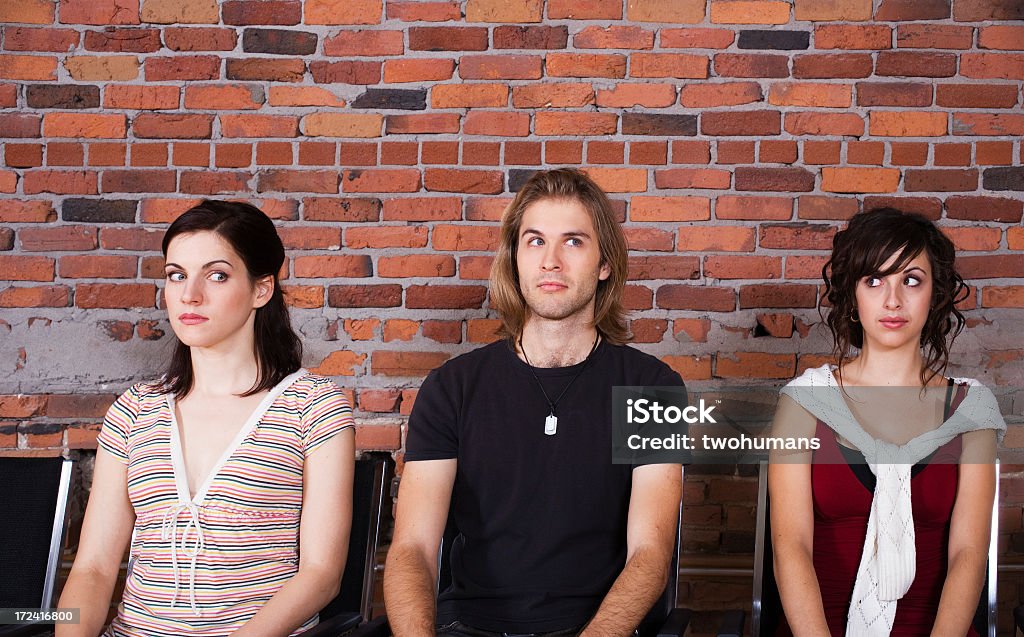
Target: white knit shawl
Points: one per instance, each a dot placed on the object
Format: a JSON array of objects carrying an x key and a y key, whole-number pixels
[{"x": 888, "y": 560}]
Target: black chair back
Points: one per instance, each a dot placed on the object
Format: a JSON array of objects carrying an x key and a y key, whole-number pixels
[
  {"x": 33, "y": 520},
  {"x": 372, "y": 475}
]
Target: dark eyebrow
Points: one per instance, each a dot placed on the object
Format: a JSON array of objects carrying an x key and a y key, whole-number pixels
[
  {"x": 918, "y": 268},
  {"x": 205, "y": 265},
  {"x": 571, "y": 233}
]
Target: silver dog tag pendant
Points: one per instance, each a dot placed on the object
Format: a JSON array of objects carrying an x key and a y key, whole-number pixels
[{"x": 551, "y": 425}]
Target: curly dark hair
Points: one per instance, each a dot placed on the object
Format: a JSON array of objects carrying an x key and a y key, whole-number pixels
[{"x": 870, "y": 239}]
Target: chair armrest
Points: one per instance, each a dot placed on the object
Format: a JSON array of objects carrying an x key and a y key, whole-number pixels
[
  {"x": 1018, "y": 618},
  {"x": 676, "y": 623},
  {"x": 333, "y": 626},
  {"x": 732, "y": 624}
]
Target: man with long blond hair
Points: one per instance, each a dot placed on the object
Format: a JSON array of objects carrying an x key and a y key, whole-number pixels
[{"x": 514, "y": 440}]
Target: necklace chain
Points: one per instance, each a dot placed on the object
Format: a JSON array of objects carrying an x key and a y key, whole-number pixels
[{"x": 551, "y": 422}]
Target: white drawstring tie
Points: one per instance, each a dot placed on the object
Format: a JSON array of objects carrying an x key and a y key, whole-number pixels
[{"x": 169, "y": 531}]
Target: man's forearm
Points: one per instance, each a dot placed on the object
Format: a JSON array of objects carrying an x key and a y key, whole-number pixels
[
  {"x": 409, "y": 592},
  {"x": 635, "y": 590}
]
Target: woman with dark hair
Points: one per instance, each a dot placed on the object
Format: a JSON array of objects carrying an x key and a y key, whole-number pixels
[
  {"x": 883, "y": 530},
  {"x": 232, "y": 474}
]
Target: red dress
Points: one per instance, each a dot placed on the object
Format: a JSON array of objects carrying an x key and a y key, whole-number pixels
[{"x": 842, "y": 503}]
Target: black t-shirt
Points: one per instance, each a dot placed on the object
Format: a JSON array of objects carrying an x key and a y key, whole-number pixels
[{"x": 542, "y": 519}]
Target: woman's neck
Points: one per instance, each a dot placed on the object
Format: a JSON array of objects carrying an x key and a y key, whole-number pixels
[
  {"x": 224, "y": 371},
  {"x": 889, "y": 368}
]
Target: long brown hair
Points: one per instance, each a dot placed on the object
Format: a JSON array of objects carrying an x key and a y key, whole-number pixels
[
  {"x": 252, "y": 235},
  {"x": 862, "y": 248},
  {"x": 562, "y": 183}
]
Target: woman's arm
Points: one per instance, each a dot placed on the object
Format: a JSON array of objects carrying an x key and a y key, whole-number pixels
[
  {"x": 107, "y": 527},
  {"x": 969, "y": 531},
  {"x": 792, "y": 524},
  {"x": 323, "y": 540}
]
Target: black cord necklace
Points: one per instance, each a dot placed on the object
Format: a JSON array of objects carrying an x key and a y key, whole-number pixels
[{"x": 551, "y": 422}]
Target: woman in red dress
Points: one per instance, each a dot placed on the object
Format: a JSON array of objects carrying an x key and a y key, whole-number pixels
[{"x": 884, "y": 529}]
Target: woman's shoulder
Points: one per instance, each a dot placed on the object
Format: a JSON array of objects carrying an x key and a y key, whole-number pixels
[
  {"x": 814, "y": 377},
  {"x": 310, "y": 387}
]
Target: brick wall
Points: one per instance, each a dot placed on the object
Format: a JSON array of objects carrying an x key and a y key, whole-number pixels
[{"x": 735, "y": 135}]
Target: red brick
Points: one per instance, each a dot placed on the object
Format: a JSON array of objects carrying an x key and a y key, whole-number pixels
[
  {"x": 447, "y": 38},
  {"x": 115, "y": 295},
  {"x": 1001, "y": 124},
  {"x": 728, "y": 94},
  {"x": 97, "y": 267},
  {"x": 993, "y": 153},
  {"x": 303, "y": 96},
  {"x": 648, "y": 153},
  {"x": 475, "y": 268},
  {"x": 695, "y": 38},
  {"x": 552, "y": 95},
  {"x": 321, "y": 181},
  {"x": 199, "y": 39},
  {"x": 73, "y": 153},
  {"x": 1004, "y": 37},
  {"x": 749, "y": 12},
  {"x": 151, "y": 154},
  {"x": 808, "y": 94},
  {"x": 754, "y": 365},
  {"x": 28, "y": 67},
  {"x": 445, "y": 296},
  {"x": 523, "y": 153},
  {"x": 279, "y": 70},
  {"x": 386, "y": 237},
  {"x": 896, "y": 10},
  {"x": 100, "y": 12},
  {"x": 176, "y": 11},
  {"x": 193, "y": 67},
  {"x": 416, "y": 265},
  {"x": 778, "y": 295},
  {"x": 345, "y": 72},
  {"x": 941, "y": 180},
  {"x": 469, "y": 95},
  {"x": 613, "y": 180},
  {"x": 741, "y": 123},
  {"x": 133, "y": 238},
  {"x": 865, "y": 153},
  {"x": 418, "y": 11},
  {"x": 92, "y": 125},
  {"x": 34, "y": 211},
  {"x": 908, "y": 154},
  {"x": 837, "y": 65},
  {"x": 893, "y": 94},
  {"x": 340, "y": 363},
  {"x": 992, "y": 66},
  {"x": 383, "y": 180},
  {"x": 303, "y": 296},
  {"x": 36, "y": 39},
  {"x": 774, "y": 151},
  {"x": 774, "y": 179},
  {"x": 425, "y": 123},
  {"x": 630, "y": 95},
  {"x": 440, "y": 153},
  {"x": 364, "y": 43},
  {"x": 584, "y": 9},
  {"x": 332, "y": 266},
  {"x": 315, "y": 238},
  {"x": 699, "y": 238},
  {"x": 696, "y": 297},
  {"x": 977, "y": 95},
  {"x": 151, "y": 181},
  {"x": 26, "y": 268},
  {"x": 21, "y": 126},
  {"x": 413, "y": 364},
  {"x": 828, "y": 124},
  {"x": 647, "y": 208},
  {"x": 908, "y": 124},
  {"x": 8, "y": 95},
  {"x": 601, "y": 152},
  {"x": 673, "y": 267},
  {"x": 929, "y": 207},
  {"x": 974, "y": 239},
  {"x": 343, "y": 11},
  {"x": 569, "y": 123},
  {"x": 224, "y": 97},
  {"x": 60, "y": 182},
  {"x": 1008, "y": 296},
  {"x": 39, "y": 296},
  {"x": 614, "y": 37},
  {"x": 991, "y": 267},
  {"x": 287, "y": 12},
  {"x": 471, "y": 181},
  {"x": 870, "y": 37},
  {"x": 28, "y": 12},
  {"x": 563, "y": 152},
  {"x": 141, "y": 97},
  {"x": 608, "y": 65},
  {"x": 418, "y": 70},
  {"x": 675, "y": 65},
  {"x": 860, "y": 179},
  {"x": 705, "y": 178},
  {"x": 649, "y": 239},
  {"x": 916, "y": 64},
  {"x": 952, "y": 154},
  {"x": 498, "y": 67},
  {"x": 497, "y": 123},
  {"x": 934, "y": 36},
  {"x": 979, "y": 10},
  {"x": 329, "y": 209},
  {"x": 23, "y": 155},
  {"x": 259, "y": 126},
  {"x": 742, "y": 267},
  {"x": 214, "y": 182},
  {"x": 753, "y": 207},
  {"x": 751, "y": 65}
]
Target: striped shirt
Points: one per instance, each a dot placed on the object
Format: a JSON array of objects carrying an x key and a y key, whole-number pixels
[{"x": 204, "y": 565}]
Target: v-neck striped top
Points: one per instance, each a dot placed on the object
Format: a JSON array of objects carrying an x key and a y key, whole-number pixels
[{"x": 204, "y": 565}]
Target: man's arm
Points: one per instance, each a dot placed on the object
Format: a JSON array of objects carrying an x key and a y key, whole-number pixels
[
  {"x": 410, "y": 574},
  {"x": 650, "y": 539}
]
